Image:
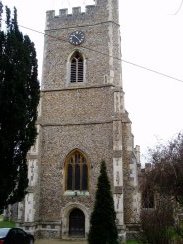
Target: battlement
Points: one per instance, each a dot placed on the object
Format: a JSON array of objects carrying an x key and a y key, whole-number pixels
[
  {"x": 76, "y": 11},
  {"x": 101, "y": 11}
]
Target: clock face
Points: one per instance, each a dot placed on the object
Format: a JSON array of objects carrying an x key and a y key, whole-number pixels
[{"x": 76, "y": 37}]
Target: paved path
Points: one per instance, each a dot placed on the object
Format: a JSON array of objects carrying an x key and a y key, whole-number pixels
[{"x": 59, "y": 242}]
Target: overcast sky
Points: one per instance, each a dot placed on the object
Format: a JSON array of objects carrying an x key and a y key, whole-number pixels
[{"x": 152, "y": 36}]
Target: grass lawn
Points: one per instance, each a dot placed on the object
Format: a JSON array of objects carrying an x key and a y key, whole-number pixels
[
  {"x": 132, "y": 242},
  {"x": 5, "y": 223}
]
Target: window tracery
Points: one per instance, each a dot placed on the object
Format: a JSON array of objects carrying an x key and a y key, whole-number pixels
[{"x": 76, "y": 172}]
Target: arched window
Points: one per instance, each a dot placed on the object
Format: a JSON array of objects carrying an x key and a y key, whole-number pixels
[
  {"x": 76, "y": 68},
  {"x": 76, "y": 172}
]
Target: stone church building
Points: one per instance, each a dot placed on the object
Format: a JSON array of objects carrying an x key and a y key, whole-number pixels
[{"x": 82, "y": 121}]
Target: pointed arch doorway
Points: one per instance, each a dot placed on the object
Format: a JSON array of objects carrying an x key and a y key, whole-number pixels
[{"x": 76, "y": 223}]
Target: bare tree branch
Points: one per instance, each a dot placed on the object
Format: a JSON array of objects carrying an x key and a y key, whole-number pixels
[{"x": 179, "y": 8}]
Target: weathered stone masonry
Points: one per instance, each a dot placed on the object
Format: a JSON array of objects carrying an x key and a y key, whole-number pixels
[{"x": 88, "y": 117}]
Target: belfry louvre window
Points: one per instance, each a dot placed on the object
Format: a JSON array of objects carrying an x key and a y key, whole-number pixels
[
  {"x": 76, "y": 172},
  {"x": 77, "y": 67}
]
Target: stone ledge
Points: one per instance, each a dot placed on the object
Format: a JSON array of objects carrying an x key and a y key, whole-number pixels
[
  {"x": 76, "y": 193},
  {"x": 77, "y": 87}
]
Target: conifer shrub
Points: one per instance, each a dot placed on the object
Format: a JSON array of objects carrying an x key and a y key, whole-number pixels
[{"x": 103, "y": 229}]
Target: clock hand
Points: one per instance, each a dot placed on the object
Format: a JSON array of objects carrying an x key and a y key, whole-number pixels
[{"x": 76, "y": 37}]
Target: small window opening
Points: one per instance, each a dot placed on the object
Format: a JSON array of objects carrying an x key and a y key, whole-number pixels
[{"x": 76, "y": 68}]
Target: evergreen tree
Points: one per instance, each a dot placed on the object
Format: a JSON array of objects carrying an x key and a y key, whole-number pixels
[
  {"x": 103, "y": 228},
  {"x": 19, "y": 97},
  {"x": 1, "y": 11}
]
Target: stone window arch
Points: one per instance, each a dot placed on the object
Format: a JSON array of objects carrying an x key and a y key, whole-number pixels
[
  {"x": 76, "y": 172},
  {"x": 76, "y": 67}
]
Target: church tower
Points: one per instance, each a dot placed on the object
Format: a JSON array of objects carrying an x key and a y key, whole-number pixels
[{"x": 82, "y": 122}]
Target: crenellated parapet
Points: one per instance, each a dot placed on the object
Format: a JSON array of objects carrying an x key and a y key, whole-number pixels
[
  {"x": 76, "y": 11},
  {"x": 101, "y": 11},
  {"x": 89, "y": 9}
]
